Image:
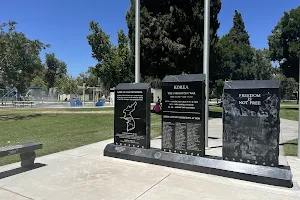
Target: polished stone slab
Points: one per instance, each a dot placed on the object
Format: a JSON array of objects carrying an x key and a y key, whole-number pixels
[
  {"x": 251, "y": 123},
  {"x": 132, "y": 114},
  {"x": 183, "y": 116},
  {"x": 278, "y": 176}
]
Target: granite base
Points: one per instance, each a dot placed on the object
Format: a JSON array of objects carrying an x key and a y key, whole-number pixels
[{"x": 278, "y": 176}]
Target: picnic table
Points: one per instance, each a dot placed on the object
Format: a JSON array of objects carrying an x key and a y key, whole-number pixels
[{"x": 23, "y": 103}]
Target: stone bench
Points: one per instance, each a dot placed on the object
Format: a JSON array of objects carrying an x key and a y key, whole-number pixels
[{"x": 26, "y": 151}]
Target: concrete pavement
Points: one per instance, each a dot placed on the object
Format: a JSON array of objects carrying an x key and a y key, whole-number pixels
[{"x": 85, "y": 174}]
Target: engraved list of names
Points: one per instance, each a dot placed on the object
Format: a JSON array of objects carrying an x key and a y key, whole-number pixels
[{"x": 183, "y": 117}]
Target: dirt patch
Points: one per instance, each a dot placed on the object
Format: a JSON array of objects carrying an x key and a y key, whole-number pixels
[{"x": 18, "y": 117}]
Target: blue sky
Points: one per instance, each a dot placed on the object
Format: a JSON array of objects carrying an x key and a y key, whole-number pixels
[{"x": 64, "y": 24}]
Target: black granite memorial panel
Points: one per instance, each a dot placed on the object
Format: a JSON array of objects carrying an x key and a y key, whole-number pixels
[
  {"x": 132, "y": 115},
  {"x": 183, "y": 114},
  {"x": 251, "y": 123}
]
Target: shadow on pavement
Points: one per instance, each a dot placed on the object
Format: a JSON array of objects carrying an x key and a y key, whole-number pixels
[
  {"x": 213, "y": 138},
  {"x": 156, "y": 138},
  {"x": 287, "y": 108},
  {"x": 213, "y": 114},
  {"x": 19, "y": 170},
  {"x": 216, "y": 147},
  {"x": 291, "y": 143}
]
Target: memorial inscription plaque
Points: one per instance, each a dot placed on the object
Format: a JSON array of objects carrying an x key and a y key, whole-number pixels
[
  {"x": 132, "y": 115},
  {"x": 183, "y": 114},
  {"x": 251, "y": 123}
]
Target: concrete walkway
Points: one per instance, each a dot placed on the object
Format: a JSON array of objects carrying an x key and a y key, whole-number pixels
[{"x": 85, "y": 174}]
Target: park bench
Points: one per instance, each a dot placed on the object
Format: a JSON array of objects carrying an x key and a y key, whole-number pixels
[
  {"x": 26, "y": 151},
  {"x": 23, "y": 103}
]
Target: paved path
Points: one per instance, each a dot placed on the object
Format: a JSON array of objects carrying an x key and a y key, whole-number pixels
[{"x": 85, "y": 174}]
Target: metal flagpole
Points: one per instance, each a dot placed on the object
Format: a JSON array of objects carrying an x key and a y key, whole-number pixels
[
  {"x": 206, "y": 63},
  {"x": 299, "y": 114},
  {"x": 137, "y": 41}
]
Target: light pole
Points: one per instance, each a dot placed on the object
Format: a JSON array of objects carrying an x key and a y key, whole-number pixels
[
  {"x": 94, "y": 103},
  {"x": 137, "y": 41},
  {"x": 206, "y": 63},
  {"x": 83, "y": 93}
]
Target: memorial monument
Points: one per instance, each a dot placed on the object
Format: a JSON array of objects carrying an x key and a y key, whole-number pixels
[
  {"x": 250, "y": 138},
  {"x": 183, "y": 114},
  {"x": 132, "y": 115},
  {"x": 251, "y": 123}
]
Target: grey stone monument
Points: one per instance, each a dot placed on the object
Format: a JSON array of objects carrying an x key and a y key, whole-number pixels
[{"x": 251, "y": 123}]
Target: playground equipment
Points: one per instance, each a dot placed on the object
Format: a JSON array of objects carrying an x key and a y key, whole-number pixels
[
  {"x": 101, "y": 102},
  {"x": 52, "y": 94},
  {"x": 42, "y": 96},
  {"x": 83, "y": 87},
  {"x": 97, "y": 92},
  {"x": 76, "y": 103},
  {"x": 35, "y": 93},
  {"x": 10, "y": 93}
]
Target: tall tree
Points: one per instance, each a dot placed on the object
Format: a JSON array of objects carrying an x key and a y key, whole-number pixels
[
  {"x": 123, "y": 53},
  {"x": 236, "y": 52},
  {"x": 66, "y": 85},
  {"x": 38, "y": 81},
  {"x": 238, "y": 32},
  {"x": 284, "y": 43},
  {"x": 261, "y": 63},
  {"x": 88, "y": 77},
  {"x": 55, "y": 69},
  {"x": 19, "y": 57},
  {"x": 113, "y": 65},
  {"x": 288, "y": 85},
  {"x": 172, "y": 36},
  {"x": 154, "y": 82},
  {"x": 99, "y": 41}
]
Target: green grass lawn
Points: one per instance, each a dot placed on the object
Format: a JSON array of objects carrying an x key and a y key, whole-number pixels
[
  {"x": 291, "y": 148},
  {"x": 289, "y": 103},
  {"x": 36, "y": 110},
  {"x": 291, "y": 114},
  {"x": 289, "y": 110},
  {"x": 215, "y": 112},
  {"x": 58, "y": 132},
  {"x": 61, "y": 131}
]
